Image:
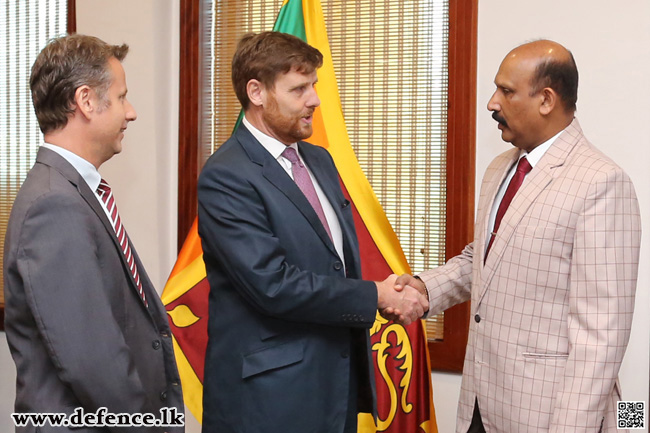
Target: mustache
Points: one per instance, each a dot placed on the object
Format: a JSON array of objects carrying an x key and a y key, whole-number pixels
[{"x": 496, "y": 116}]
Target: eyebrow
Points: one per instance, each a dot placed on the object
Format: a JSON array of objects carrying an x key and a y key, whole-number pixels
[{"x": 303, "y": 84}]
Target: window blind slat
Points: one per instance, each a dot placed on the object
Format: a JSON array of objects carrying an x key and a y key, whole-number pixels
[{"x": 27, "y": 26}]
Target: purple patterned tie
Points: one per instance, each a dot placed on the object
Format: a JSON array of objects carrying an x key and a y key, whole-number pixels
[
  {"x": 106, "y": 195},
  {"x": 302, "y": 179}
]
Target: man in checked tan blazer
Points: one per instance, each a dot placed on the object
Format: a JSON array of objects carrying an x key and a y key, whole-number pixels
[{"x": 552, "y": 302}]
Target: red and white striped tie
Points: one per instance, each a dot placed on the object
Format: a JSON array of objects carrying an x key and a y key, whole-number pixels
[{"x": 106, "y": 195}]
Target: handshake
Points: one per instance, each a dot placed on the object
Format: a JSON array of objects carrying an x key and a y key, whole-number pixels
[{"x": 403, "y": 299}]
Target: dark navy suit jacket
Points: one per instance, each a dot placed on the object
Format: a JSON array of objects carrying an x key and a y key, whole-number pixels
[{"x": 285, "y": 321}]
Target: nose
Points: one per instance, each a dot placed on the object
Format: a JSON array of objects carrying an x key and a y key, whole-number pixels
[
  {"x": 314, "y": 100},
  {"x": 130, "y": 112},
  {"x": 493, "y": 104}
]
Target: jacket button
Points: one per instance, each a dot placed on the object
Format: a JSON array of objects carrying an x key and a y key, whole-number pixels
[
  {"x": 338, "y": 266},
  {"x": 155, "y": 344},
  {"x": 477, "y": 318},
  {"x": 163, "y": 396}
]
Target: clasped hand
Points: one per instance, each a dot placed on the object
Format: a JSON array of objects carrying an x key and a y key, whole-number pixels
[{"x": 400, "y": 300}]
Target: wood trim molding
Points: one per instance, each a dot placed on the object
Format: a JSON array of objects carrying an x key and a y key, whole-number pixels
[
  {"x": 188, "y": 126},
  {"x": 448, "y": 354},
  {"x": 72, "y": 16}
]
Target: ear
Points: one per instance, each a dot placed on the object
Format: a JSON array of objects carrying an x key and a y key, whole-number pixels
[
  {"x": 85, "y": 100},
  {"x": 256, "y": 92},
  {"x": 549, "y": 99}
]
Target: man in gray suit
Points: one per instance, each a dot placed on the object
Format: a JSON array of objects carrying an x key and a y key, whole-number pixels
[{"x": 85, "y": 326}]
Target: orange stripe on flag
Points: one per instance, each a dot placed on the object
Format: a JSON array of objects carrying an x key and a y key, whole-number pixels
[{"x": 190, "y": 251}]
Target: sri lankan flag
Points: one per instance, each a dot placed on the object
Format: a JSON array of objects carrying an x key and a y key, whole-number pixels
[{"x": 400, "y": 353}]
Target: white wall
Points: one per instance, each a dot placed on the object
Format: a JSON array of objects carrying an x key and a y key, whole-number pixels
[
  {"x": 611, "y": 47},
  {"x": 144, "y": 176}
]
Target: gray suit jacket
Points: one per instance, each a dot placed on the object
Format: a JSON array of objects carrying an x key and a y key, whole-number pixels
[
  {"x": 78, "y": 331},
  {"x": 286, "y": 328}
]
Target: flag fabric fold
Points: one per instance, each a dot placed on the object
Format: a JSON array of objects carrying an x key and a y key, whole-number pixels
[{"x": 400, "y": 353}]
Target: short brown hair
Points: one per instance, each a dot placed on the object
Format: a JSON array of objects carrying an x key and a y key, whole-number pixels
[
  {"x": 266, "y": 55},
  {"x": 65, "y": 64}
]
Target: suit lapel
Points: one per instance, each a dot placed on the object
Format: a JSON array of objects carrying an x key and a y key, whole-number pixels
[
  {"x": 332, "y": 189},
  {"x": 92, "y": 201},
  {"x": 275, "y": 174},
  {"x": 534, "y": 184},
  {"x": 57, "y": 162},
  {"x": 491, "y": 183}
]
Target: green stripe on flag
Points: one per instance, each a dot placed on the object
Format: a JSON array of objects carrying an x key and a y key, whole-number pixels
[{"x": 291, "y": 20}]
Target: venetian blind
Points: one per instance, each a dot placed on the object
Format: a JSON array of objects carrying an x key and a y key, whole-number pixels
[
  {"x": 391, "y": 64},
  {"x": 27, "y": 26}
]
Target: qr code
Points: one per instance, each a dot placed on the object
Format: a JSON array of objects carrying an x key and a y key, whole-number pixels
[{"x": 630, "y": 415}]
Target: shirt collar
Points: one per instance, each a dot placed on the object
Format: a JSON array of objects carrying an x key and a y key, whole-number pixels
[
  {"x": 87, "y": 171},
  {"x": 536, "y": 154},
  {"x": 273, "y": 146}
]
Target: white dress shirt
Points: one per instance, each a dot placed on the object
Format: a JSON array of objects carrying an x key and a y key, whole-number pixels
[
  {"x": 533, "y": 158},
  {"x": 275, "y": 148},
  {"x": 87, "y": 171}
]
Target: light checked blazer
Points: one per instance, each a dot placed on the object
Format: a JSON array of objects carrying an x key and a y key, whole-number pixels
[{"x": 555, "y": 296}]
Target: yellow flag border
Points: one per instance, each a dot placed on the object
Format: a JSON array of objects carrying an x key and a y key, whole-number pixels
[
  {"x": 358, "y": 186},
  {"x": 192, "y": 386},
  {"x": 184, "y": 280},
  {"x": 176, "y": 287}
]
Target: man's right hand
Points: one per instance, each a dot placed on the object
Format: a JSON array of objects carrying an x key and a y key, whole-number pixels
[
  {"x": 404, "y": 306},
  {"x": 409, "y": 280}
]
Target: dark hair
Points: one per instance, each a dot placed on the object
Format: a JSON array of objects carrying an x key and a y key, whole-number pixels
[
  {"x": 64, "y": 65},
  {"x": 266, "y": 55},
  {"x": 561, "y": 76}
]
